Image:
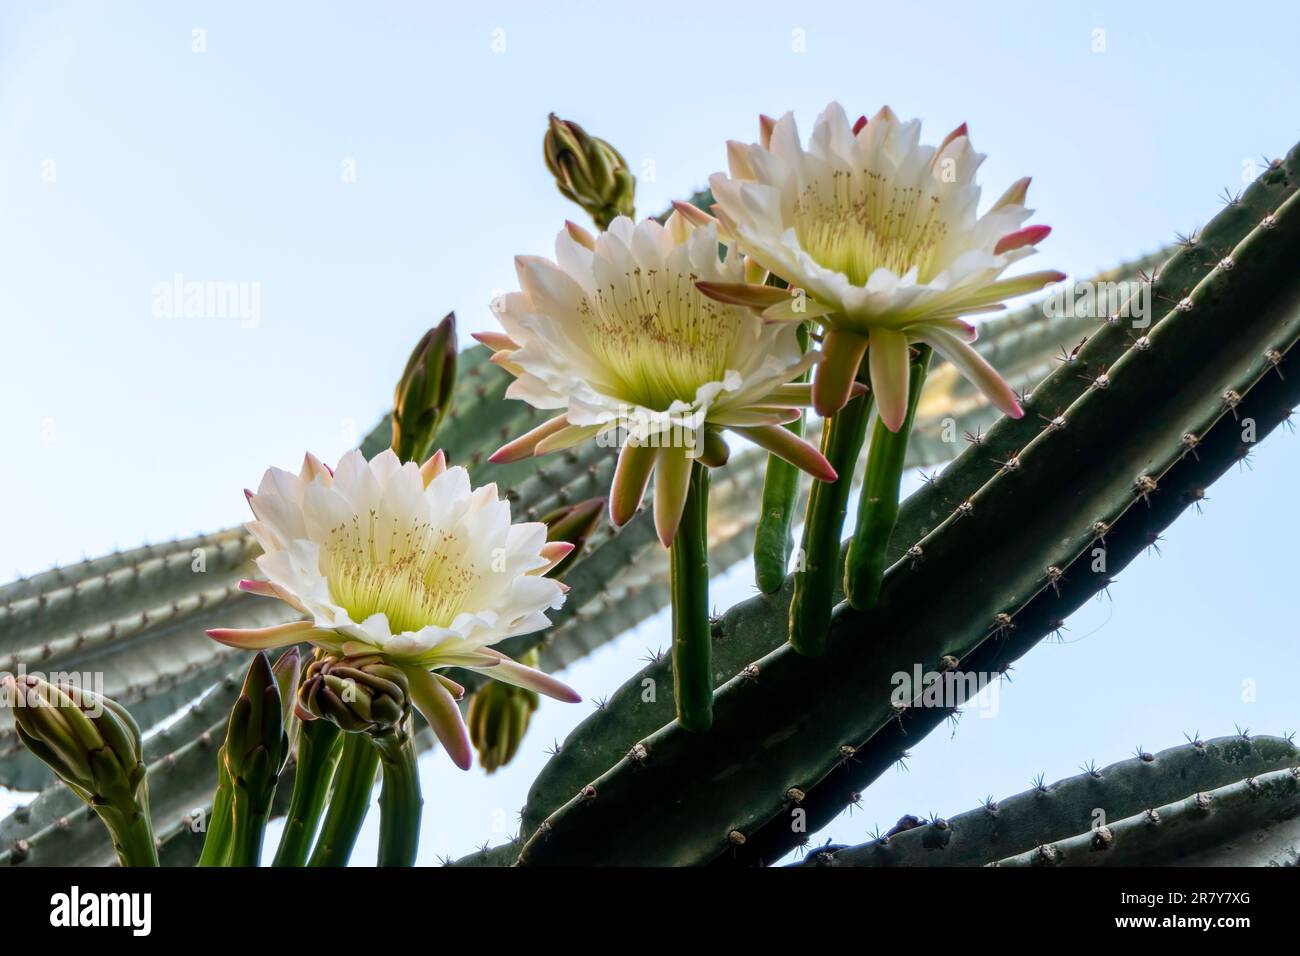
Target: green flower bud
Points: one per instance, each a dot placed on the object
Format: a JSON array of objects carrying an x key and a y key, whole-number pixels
[
  {"x": 257, "y": 745},
  {"x": 361, "y": 694},
  {"x": 589, "y": 171},
  {"x": 423, "y": 394},
  {"x": 499, "y": 714},
  {"x": 90, "y": 742},
  {"x": 572, "y": 524},
  {"x": 93, "y": 745}
]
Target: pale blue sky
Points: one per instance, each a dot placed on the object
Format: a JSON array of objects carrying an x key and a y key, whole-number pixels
[{"x": 126, "y": 158}]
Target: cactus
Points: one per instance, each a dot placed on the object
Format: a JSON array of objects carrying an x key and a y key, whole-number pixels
[
  {"x": 647, "y": 773},
  {"x": 1151, "y": 809},
  {"x": 1128, "y": 423}
]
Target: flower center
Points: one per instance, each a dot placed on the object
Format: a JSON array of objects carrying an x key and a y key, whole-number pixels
[
  {"x": 658, "y": 338},
  {"x": 414, "y": 574},
  {"x": 860, "y": 222}
]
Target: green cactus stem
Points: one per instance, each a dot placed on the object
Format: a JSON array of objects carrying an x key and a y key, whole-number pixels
[
  {"x": 349, "y": 801},
  {"x": 320, "y": 743},
  {"x": 400, "y": 803},
  {"x": 772, "y": 538},
  {"x": 1181, "y": 831},
  {"x": 815, "y": 581},
  {"x": 692, "y": 641},
  {"x": 1215, "y": 363},
  {"x": 865, "y": 562},
  {"x": 1048, "y": 813}
]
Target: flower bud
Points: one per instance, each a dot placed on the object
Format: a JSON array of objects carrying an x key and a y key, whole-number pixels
[
  {"x": 257, "y": 745},
  {"x": 589, "y": 171},
  {"x": 361, "y": 694},
  {"x": 90, "y": 742},
  {"x": 423, "y": 394},
  {"x": 572, "y": 524},
  {"x": 499, "y": 714}
]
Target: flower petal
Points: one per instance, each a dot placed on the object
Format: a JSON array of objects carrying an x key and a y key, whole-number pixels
[
  {"x": 436, "y": 703},
  {"x": 672, "y": 482},
  {"x": 973, "y": 366},
  {"x": 631, "y": 477},
  {"x": 525, "y": 445},
  {"x": 833, "y": 381},
  {"x": 262, "y": 638},
  {"x": 741, "y": 293},
  {"x": 890, "y": 373},
  {"x": 788, "y": 446},
  {"x": 510, "y": 671}
]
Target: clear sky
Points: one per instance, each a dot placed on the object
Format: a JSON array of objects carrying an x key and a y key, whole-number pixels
[{"x": 367, "y": 167}]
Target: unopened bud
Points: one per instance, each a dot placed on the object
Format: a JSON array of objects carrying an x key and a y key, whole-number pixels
[
  {"x": 423, "y": 394},
  {"x": 499, "y": 714},
  {"x": 90, "y": 742},
  {"x": 361, "y": 694},
  {"x": 257, "y": 745},
  {"x": 589, "y": 171},
  {"x": 573, "y": 524}
]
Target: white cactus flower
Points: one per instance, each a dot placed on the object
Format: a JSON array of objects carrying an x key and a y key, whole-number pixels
[
  {"x": 882, "y": 235},
  {"x": 408, "y": 562},
  {"x": 616, "y": 337}
]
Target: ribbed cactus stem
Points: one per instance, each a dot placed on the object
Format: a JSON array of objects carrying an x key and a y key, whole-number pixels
[
  {"x": 319, "y": 745},
  {"x": 692, "y": 641},
  {"x": 349, "y": 802},
  {"x": 818, "y": 563},
  {"x": 772, "y": 538},
  {"x": 866, "y": 559},
  {"x": 400, "y": 802}
]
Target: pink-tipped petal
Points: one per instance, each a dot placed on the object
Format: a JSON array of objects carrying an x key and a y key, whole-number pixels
[
  {"x": 631, "y": 478},
  {"x": 496, "y": 341},
  {"x": 510, "y": 671},
  {"x": 579, "y": 235},
  {"x": 524, "y": 446},
  {"x": 432, "y": 699},
  {"x": 456, "y": 690},
  {"x": 974, "y": 367},
  {"x": 1015, "y": 195},
  {"x": 738, "y": 161},
  {"x": 1029, "y": 236},
  {"x": 693, "y": 213},
  {"x": 890, "y": 374},
  {"x": 765, "y": 127},
  {"x": 261, "y": 588},
  {"x": 261, "y": 638},
  {"x": 740, "y": 293},
  {"x": 788, "y": 446},
  {"x": 567, "y": 438},
  {"x": 959, "y": 131},
  {"x": 435, "y": 466},
  {"x": 313, "y": 468},
  {"x": 554, "y": 552},
  {"x": 833, "y": 381},
  {"x": 672, "y": 482}
]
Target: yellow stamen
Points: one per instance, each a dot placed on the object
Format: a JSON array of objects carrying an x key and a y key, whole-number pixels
[
  {"x": 865, "y": 222},
  {"x": 416, "y": 575}
]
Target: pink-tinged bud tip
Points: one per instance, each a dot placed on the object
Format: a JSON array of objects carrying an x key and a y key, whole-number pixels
[{"x": 1029, "y": 236}]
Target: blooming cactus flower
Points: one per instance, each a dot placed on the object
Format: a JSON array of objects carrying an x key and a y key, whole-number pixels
[
  {"x": 881, "y": 234},
  {"x": 407, "y": 562},
  {"x": 616, "y": 337}
]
